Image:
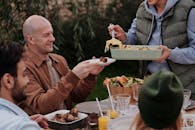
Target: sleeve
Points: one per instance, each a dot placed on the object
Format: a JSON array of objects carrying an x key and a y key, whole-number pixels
[
  {"x": 44, "y": 101},
  {"x": 131, "y": 34},
  {"x": 84, "y": 88},
  {"x": 186, "y": 55},
  {"x": 20, "y": 123},
  {"x": 29, "y": 126}
]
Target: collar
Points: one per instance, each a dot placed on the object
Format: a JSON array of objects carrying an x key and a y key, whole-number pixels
[
  {"x": 169, "y": 5},
  {"x": 37, "y": 58},
  {"x": 12, "y": 107}
]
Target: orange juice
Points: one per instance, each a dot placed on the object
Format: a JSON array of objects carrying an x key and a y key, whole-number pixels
[
  {"x": 113, "y": 114},
  {"x": 102, "y": 122}
]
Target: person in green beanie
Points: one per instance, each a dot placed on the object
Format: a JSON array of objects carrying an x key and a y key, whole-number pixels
[{"x": 160, "y": 102}]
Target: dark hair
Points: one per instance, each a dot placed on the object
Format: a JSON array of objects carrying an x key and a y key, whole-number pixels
[{"x": 10, "y": 55}]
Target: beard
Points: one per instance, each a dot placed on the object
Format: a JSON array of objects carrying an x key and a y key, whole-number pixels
[{"x": 18, "y": 92}]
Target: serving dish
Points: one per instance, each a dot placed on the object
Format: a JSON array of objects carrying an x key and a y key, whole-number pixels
[
  {"x": 80, "y": 123},
  {"x": 136, "y": 52}
]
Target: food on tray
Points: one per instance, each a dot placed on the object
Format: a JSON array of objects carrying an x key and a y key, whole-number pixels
[
  {"x": 112, "y": 42},
  {"x": 67, "y": 117},
  {"x": 138, "y": 47},
  {"x": 74, "y": 112},
  {"x": 103, "y": 59}
]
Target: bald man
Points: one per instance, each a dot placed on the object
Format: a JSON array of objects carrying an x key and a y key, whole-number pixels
[{"x": 52, "y": 84}]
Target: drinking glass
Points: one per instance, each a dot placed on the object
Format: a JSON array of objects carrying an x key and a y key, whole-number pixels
[
  {"x": 103, "y": 121},
  {"x": 136, "y": 89},
  {"x": 187, "y": 94},
  {"x": 122, "y": 103}
]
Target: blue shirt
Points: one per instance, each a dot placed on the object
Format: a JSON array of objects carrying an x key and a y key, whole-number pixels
[
  {"x": 178, "y": 55},
  {"x": 14, "y": 118}
]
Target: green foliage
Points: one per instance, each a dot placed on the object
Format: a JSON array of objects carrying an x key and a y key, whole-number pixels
[
  {"x": 122, "y": 12},
  {"x": 14, "y": 12},
  {"x": 81, "y": 36}
]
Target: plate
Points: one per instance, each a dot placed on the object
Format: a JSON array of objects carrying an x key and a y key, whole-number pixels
[
  {"x": 121, "y": 123},
  {"x": 80, "y": 123},
  {"x": 136, "y": 52},
  {"x": 188, "y": 121},
  {"x": 191, "y": 105},
  {"x": 98, "y": 62},
  {"x": 92, "y": 107}
]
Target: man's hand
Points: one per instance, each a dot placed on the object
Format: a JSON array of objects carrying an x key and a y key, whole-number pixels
[
  {"x": 165, "y": 53},
  {"x": 96, "y": 69},
  {"x": 41, "y": 120},
  {"x": 83, "y": 69}
]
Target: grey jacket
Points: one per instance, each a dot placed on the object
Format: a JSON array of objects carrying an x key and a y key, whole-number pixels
[{"x": 173, "y": 32}]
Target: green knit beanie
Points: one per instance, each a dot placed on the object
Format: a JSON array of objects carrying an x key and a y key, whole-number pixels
[{"x": 160, "y": 99}]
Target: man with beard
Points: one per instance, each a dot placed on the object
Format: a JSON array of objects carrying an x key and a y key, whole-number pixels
[{"x": 12, "y": 83}]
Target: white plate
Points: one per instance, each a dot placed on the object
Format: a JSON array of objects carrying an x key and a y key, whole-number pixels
[
  {"x": 121, "y": 123},
  {"x": 51, "y": 115},
  {"x": 92, "y": 107},
  {"x": 98, "y": 62},
  {"x": 191, "y": 105}
]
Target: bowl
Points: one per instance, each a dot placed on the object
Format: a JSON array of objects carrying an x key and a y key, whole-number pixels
[{"x": 80, "y": 123}]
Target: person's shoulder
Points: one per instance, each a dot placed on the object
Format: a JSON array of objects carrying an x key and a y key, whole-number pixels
[
  {"x": 5, "y": 114},
  {"x": 25, "y": 124},
  {"x": 187, "y": 3},
  {"x": 15, "y": 122}
]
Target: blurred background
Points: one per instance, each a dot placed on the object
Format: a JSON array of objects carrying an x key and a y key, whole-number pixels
[{"x": 80, "y": 29}]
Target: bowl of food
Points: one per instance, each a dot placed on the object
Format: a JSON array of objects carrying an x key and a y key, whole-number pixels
[
  {"x": 123, "y": 85},
  {"x": 66, "y": 119}
]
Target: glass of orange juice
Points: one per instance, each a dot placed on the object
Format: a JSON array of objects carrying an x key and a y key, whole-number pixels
[
  {"x": 102, "y": 122},
  {"x": 112, "y": 113}
]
